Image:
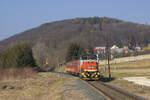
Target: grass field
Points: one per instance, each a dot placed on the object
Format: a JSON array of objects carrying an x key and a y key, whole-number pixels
[
  {"x": 132, "y": 65},
  {"x": 29, "y": 85},
  {"x": 133, "y": 88},
  {"x": 130, "y": 69}
]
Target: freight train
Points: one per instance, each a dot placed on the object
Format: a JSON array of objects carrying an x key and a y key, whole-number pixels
[{"x": 85, "y": 69}]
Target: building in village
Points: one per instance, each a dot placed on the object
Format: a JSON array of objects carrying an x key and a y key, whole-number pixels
[
  {"x": 115, "y": 50},
  {"x": 99, "y": 50}
]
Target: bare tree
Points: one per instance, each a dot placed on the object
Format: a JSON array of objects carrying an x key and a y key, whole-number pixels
[{"x": 40, "y": 52}]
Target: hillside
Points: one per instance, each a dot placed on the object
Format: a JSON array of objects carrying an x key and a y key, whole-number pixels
[{"x": 51, "y": 39}]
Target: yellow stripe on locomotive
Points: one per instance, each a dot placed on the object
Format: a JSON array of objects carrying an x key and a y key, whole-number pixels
[{"x": 90, "y": 75}]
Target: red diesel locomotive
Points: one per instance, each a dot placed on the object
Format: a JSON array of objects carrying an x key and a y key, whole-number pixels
[{"x": 86, "y": 69}]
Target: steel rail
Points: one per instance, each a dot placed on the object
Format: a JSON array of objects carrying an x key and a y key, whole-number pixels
[{"x": 113, "y": 93}]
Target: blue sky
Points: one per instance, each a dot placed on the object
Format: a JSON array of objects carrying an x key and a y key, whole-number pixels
[{"x": 19, "y": 15}]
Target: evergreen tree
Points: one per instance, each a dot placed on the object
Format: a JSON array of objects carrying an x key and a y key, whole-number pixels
[
  {"x": 73, "y": 52},
  {"x": 17, "y": 56}
]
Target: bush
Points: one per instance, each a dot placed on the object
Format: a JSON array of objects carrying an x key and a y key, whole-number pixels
[{"x": 17, "y": 56}]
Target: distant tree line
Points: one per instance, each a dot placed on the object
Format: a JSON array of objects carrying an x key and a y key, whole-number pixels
[{"x": 17, "y": 56}]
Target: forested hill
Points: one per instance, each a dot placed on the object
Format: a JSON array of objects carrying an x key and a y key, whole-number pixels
[{"x": 54, "y": 37}]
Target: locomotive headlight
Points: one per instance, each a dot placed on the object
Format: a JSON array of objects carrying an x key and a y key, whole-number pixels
[{"x": 97, "y": 73}]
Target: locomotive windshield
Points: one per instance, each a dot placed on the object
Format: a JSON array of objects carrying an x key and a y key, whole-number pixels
[{"x": 89, "y": 56}]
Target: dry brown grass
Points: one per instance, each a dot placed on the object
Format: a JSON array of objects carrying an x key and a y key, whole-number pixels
[
  {"x": 44, "y": 87},
  {"x": 133, "y": 88},
  {"x": 134, "y": 64},
  {"x": 136, "y": 68},
  {"x": 17, "y": 73},
  {"x": 130, "y": 69}
]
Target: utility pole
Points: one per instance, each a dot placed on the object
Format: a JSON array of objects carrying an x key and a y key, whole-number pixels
[
  {"x": 108, "y": 54},
  {"x": 107, "y": 41}
]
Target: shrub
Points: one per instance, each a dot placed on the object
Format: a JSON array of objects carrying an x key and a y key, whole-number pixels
[{"x": 17, "y": 56}]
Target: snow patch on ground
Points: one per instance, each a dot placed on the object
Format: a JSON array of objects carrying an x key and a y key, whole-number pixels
[{"x": 139, "y": 80}]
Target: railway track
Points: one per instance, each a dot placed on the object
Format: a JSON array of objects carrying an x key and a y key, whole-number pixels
[
  {"x": 113, "y": 93},
  {"x": 110, "y": 92}
]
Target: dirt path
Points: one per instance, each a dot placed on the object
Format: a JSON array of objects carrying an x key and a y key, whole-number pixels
[{"x": 139, "y": 80}]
